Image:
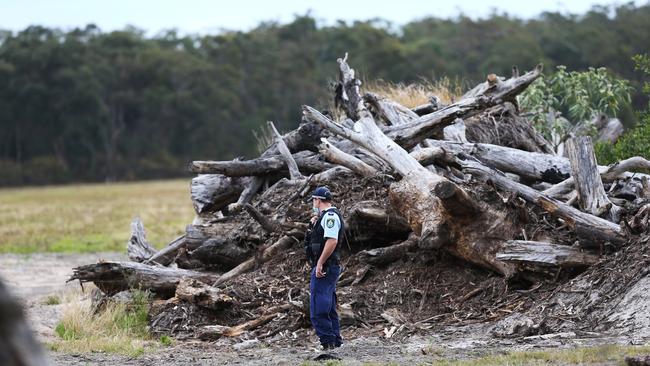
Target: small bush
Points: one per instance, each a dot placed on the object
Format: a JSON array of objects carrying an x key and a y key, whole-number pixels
[
  {"x": 119, "y": 328},
  {"x": 52, "y": 300}
]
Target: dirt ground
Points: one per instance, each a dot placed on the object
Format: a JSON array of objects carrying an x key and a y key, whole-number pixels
[{"x": 34, "y": 277}]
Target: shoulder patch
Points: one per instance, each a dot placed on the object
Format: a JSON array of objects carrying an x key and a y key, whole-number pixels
[{"x": 329, "y": 223}]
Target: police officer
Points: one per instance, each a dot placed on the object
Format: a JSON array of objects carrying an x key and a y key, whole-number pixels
[{"x": 322, "y": 247}]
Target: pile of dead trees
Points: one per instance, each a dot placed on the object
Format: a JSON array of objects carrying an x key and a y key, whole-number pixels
[{"x": 431, "y": 159}]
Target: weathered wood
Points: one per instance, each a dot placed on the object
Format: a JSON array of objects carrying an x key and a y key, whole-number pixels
[
  {"x": 389, "y": 254},
  {"x": 388, "y": 111},
  {"x": 305, "y": 161},
  {"x": 528, "y": 165},
  {"x": 213, "y": 332},
  {"x": 440, "y": 212},
  {"x": 336, "y": 156},
  {"x": 455, "y": 131},
  {"x": 113, "y": 277},
  {"x": 220, "y": 253},
  {"x": 294, "y": 172},
  {"x": 18, "y": 346},
  {"x": 621, "y": 169},
  {"x": 266, "y": 254},
  {"x": 213, "y": 192},
  {"x": 432, "y": 124},
  {"x": 544, "y": 254},
  {"x": 138, "y": 247},
  {"x": 267, "y": 224},
  {"x": 592, "y": 230},
  {"x": 591, "y": 192},
  {"x": 347, "y": 94},
  {"x": 166, "y": 255},
  {"x": 201, "y": 294}
]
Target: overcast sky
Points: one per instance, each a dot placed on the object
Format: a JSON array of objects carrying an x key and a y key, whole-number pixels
[{"x": 203, "y": 16}]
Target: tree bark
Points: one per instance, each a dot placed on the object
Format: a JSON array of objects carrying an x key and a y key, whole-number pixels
[
  {"x": 544, "y": 254},
  {"x": 263, "y": 166},
  {"x": 591, "y": 192},
  {"x": 336, "y": 156},
  {"x": 138, "y": 247},
  {"x": 113, "y": 277},
  {"x": 294, "y": 172},
  {"x": 166, "y": 255}
]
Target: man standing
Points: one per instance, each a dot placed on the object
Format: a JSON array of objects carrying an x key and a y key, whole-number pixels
[{"x": 323, "y": 254}]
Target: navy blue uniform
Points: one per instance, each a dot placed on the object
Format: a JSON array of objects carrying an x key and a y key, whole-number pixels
[{"x": 322, "y": 308}]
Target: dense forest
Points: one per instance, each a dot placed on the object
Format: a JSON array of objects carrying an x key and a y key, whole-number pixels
[{"x": 88, "y": 105}]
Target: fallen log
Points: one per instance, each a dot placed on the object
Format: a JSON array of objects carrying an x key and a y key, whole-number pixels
[
  {"x": 201, "y": 294},
  {"x": 18, "y": 346},
  {"x": 528, "y": 165},
  {"x": 114, "y": 277},
  {"x": 544, "y": 254},
  {"x": 336, "y": 156},
  {"x": 263, "y": 166}
]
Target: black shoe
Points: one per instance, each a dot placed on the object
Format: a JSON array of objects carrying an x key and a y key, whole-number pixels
[
  {"x": 329, "y": 346},
  {"x": 326, "y": 356}
]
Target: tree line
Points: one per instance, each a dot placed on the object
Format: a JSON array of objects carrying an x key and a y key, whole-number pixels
[{"x": 88, "y": 105}]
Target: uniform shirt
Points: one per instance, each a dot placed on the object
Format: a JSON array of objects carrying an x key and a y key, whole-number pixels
[{"x": 331, "y": 224}]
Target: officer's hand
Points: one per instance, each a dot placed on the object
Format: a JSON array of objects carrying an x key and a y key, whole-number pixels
[
  {"x": 313, "y": 220},
  {"x": 319, "y": 271}
]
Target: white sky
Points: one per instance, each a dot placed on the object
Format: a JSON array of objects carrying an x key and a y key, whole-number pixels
[{"x": 204, "y": 16}]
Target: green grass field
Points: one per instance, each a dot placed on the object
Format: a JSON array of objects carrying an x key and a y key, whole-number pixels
[{"x": 92, "y": 217}]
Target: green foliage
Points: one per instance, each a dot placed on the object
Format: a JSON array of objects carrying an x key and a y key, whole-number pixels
[
  {"x": 52, "y": 300},
  {"x": 87, "y": 105},
  {"x": 166, "y": 340},
  {"x": 578, "y": 95},
  {"x": 635, "y": 142}
]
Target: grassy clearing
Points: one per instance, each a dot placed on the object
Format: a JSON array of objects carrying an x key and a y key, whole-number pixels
[
  {"x": 120, "y": 328},
  {"x": 91, "y": 217}
]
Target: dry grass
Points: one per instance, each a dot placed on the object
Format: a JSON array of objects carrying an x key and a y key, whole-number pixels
[
  {"x": 415, "y": 94},
  {"x": 119, "y": 328},
  {"x": 91, "y": 217}
]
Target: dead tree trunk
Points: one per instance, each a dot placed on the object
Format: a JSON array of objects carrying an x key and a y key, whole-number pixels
[{"x": 591, "y": 192}]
